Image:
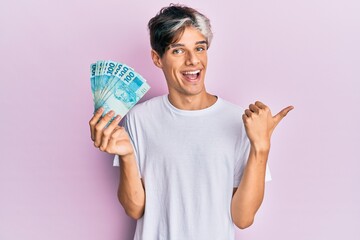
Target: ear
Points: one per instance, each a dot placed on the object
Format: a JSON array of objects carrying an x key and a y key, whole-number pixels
[{"x": 156, "y": 58}]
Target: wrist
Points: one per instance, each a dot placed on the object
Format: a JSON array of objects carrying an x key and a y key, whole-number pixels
[
  {"x": 127, "y": 158},
  {"x": 259, "y": 153},
  {"x": 261, "y": 147}
]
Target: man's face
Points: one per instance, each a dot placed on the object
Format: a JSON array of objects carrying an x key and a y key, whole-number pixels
[{"x": 184, "y": 63}]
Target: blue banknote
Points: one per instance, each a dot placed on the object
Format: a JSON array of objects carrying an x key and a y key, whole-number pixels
[
  {"x": 116, "y": 86},
  {"x": 92, "y": 77}
]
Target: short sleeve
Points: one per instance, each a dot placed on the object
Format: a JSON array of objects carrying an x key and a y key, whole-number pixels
[
  {"x": 240, "y": 163},
  {"x": 127, "y": 125}
]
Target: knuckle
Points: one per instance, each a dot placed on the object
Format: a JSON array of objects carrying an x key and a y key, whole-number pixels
[
  {"x": 119, "y": 130},
  {"x": 98, "y": 127},
  {"x": 115, "y": 136},
  {"x": 107, "y": 132},
  {"x": 91, "y": 122}
]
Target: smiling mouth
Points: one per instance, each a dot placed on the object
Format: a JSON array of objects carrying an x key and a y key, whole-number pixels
[{"x": 191, "y": 75}]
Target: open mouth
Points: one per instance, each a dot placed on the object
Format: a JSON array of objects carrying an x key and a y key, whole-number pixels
[{"x": 191, "y": 75}]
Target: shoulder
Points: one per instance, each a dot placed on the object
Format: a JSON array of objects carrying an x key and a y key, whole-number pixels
[
  {"x": 230, "y": 108},
  {"x": 230, "y": 115},
  {"x": 144, "y": 115},
  {"x": 146, "y": 108},
  {"x": 147, "y": 105}
]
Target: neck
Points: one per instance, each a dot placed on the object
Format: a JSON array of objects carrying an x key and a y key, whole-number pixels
[{"x": 192, "y": 102}]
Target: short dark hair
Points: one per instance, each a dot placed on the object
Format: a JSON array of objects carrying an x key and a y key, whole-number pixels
[{"x": 170, "y": 22}]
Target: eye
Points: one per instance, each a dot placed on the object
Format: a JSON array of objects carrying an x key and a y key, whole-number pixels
[
  {"x": 200, "y": 49},
  {"x": 178, "y": 51}
]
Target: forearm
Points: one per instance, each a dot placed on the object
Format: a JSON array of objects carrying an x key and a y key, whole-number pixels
[
  {"x": 250, "y": 192},
  {"x": 131, "y": 192}
]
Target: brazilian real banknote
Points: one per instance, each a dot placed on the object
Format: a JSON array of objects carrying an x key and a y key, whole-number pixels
[{"x": 116, "y": 86}]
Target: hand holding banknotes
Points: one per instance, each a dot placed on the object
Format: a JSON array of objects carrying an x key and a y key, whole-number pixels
[
  {"x": 109, "y": 137},
  {"x": 116, "y": 88}
]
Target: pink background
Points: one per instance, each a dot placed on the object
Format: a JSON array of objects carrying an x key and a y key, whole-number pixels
[{"x": 55, "y": 185}]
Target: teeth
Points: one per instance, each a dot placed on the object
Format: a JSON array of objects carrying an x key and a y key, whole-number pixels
[{"x": 192, "y": 72}]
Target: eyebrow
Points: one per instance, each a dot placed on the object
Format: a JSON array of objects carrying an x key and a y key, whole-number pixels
[
  {"x": 174, "y": 45},
  {"x": 202, "y": 42}
]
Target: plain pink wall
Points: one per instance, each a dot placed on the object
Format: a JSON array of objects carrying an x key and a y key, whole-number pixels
[{"x": 55, "y": 185}]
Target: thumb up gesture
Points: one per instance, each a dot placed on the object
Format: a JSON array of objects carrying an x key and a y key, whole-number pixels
[{"x": 260, "y": 124}]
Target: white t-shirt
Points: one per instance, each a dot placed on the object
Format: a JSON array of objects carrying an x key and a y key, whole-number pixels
[{"x": 190, "y": 161}]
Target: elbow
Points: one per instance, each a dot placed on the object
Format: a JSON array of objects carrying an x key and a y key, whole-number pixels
[
  {"x": 134, "y": 214},
  {"x": 244, "y": 220},
  {"x": 243, "y": 216},
  {"x": 133, "y": 210},
  {"x": 244, "y": 223}
]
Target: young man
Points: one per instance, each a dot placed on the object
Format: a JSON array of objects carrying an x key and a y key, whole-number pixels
[{"x": 191, "y": 164}]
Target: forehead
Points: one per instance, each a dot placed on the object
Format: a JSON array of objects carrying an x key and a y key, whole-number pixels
[{"x": 190, "y": 36}]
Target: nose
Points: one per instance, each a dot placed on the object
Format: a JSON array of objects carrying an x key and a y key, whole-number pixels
[{"x": 192, "y": 58}]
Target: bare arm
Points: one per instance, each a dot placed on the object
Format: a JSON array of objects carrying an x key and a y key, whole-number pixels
[
  {"x": 131, "y": 191},
  {"x": 114, "y": 139},
  {"x": 250, "y": 193},
  {"x": 259, "y": 125}
]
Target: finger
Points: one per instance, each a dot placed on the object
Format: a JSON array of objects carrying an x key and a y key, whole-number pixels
[
  {"x": 93, "y": 122},
  {"x": 254, "y": 108},
  {"x": 115, "y": 136},
  {"x": 278, "y": 117},
  {"x": 108, "y": 131},
  {"x": 99, "y": 127},
  {"x": 245, "y": 118},
  {"x": 248, "y": 113},
  {"x": 261, "y": 105},
  {"x": 118, "y": 131}
]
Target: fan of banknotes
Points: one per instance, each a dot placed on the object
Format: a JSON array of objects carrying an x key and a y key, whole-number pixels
[{"x": 116, "y": 86}]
